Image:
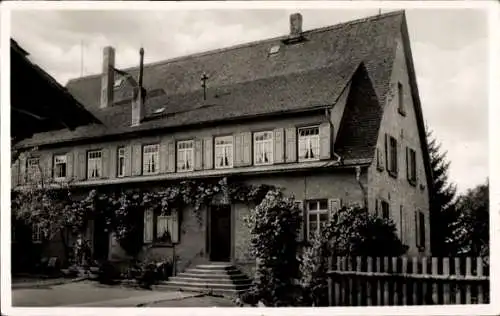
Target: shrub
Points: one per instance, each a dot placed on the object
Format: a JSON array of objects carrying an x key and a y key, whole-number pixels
[{"x": 107, "y": 274}]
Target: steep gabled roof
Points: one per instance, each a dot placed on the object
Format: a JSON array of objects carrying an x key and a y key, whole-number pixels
[{"x": 245, "y": 80}]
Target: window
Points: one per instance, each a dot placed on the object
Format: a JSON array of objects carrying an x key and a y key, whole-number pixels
[
  {"x": 317, "y": 216},
  {"x": 60, "y": 164},
  {"x": 150, "y": 159},
  {"x": 309, "y": 143},
  {"x": 224, "y": 152},
  {"x": 420, "y": 228},
  {"x": 380, "y": 160},
  {"x": 401, "y": 223},
  {"x": 411, "y": 165},
  {"x": 263, "y": 148},
  {"x": 161, "y": 228},
  {"x": 94, "y": 164},
  {"x": 185, "y": 155},
  {"x": 392, "y": 160},
  {"x": 401, "y": 105},
  {"x": 385, "y": 209},
  {"x": 33, "y": 169},
  {"x": 36, "y": 233},
  {"x": 121, "y": 162}
]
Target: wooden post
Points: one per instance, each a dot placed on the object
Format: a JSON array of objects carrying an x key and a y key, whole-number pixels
[
  {"x": 480, "y": 288},
  {"x": 369, "y": 301},
  {"x": 446, "y": 286},
  {"x": 337, "y": 285},
  {"x": 414, "y": 271},
  {"x": 358, "y": 282},
  {"x": 404, "y": 264},
  {"x": 458, "y": 290},
  {"x": 468, "y": 272},
  {"x": 330, "y": 282},
  {"x": 424, "y": 284},
  {"x": 385, "y": 282},
  {"x": 395, "y": 290},
  {"x": 344, "y": 283},
  {"x": 435, "y": 296},
  {"x": 378, "y": 289},
  {"x": 350, "y": 292}
]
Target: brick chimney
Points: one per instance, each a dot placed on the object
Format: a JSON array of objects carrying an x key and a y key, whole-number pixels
[
  {"x": 108, "y": 76},
  {"x": 295, "y": 25},
  {"x": 138, "y": 110}
]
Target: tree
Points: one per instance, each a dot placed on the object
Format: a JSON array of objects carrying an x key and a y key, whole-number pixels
[
  {"x": 442, "y": 198},
  {"x": 470, "y": 231}
]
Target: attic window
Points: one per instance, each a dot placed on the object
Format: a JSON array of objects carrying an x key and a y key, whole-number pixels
[
  {"x": 118, "y": 82},
  {"x": 274, "y": 50},
  {"x": 159, "y": 111}
]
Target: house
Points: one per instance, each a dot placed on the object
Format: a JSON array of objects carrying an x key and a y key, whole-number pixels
[{"x": 332, "y": 115}]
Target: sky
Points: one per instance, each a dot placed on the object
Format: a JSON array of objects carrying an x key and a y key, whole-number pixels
[{"x": 450, "y": 51}]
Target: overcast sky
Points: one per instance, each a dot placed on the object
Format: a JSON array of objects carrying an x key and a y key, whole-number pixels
[{"x": 450, "y": 50}]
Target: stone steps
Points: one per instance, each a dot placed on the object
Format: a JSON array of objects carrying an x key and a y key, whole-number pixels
[{"x": 217, "y": 278}]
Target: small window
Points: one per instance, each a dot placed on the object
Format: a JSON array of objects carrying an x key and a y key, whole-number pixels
[
  {"x": 150, "y": 159},
  {"x": 33, "y": 168},
  {"x": 317, "y": 216},
  {"x": 392, "y": 160},
  {"x": 420, "y": 230},
  {"x": 385, "y": 209},
  {"x": 401, "y": 223},
  {"x": 121, "y": 162},
  {"x": 308, "y": 143},
  {"x": 274, "y": 50},
  {"x": 411, "y": 166},
  {"x": 94, "y": 164},
  {"x": 380, "y": 160},
  {"x": 263, "y": 148},
  {"x": 223, "y": 152},
  {"x": 60, "y": 165},
  {"x": 36, "y": 233},
  {"x": 185, "y": 156},
  {"x": 401, "y": 105}
]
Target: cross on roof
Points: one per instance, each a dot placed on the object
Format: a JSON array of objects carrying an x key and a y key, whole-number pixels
[{"x": 204, "y": 79}]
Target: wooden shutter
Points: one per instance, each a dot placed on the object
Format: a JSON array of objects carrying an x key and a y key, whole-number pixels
[
  {"x": 171, "y": 155},
  {"x": 208, "y": 153},
  {"x": 112, "y": 165},
  {"x": 136, "y": 160},
  {"x": 198, "y": 154},
  {"x": 334, "y": 206},
  {"x": 148, "y": 226},
  {"x": 22, "y": 169},
  {"x": 69, "y": 165},
  {"x": 175, "y": 226},
  {"x": 163, "y": 155},
  {"x": 291, "y": 144},
  {"x": 246, "y": 148},
  {"x": 301, "y": 236},
  {"x": 279, "y": 145},
  {"x": 387, "y": 153},
  {"x": 105, "y": 162},
  {"x": 325, "y": 141},
  {"x": 238, "y": 150},
  {"x": 82, "y": 165},
  {"x": 128, "y": 161}
]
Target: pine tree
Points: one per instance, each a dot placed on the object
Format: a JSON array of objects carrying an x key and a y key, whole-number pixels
[{"x": 442, "y": 201}]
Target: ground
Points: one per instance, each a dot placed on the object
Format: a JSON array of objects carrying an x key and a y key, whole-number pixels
[{"x": 88, "y": 293}]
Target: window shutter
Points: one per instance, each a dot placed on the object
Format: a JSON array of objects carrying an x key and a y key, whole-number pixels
[
  {"x": 334, "y": 206},
  {"x": 246, "y": 139},
  {"x": 22, "y": 169},
  {"x": 417, "y": 230},
  {"x": 387, "y": 153},
  {"x": 208, "y": 153},
  {"x": 325, "y": 141},
  {"x": 136, "y": 160},
  {"x": 112, "y": 165},
  {"x": 82, "y": 165},
  {"x": 69, "y": 165},
  {"x": 148, "y": 226},
  {"x": 291, "y": 144},
  {"x": 198, "y": 154},
  {"x": 105, "y": 162},
  {"x": 47, "y": 163},
  {"x": 128, "y": 161},
  {"x": 238, "y": 150},
  {"x": 408, "y": 163},
  {"x": 175, "y": 226},
  {"x": 396, "y": 154},
  {"x": 163, "y": 156},
  {"x": 301, "y": 236},
  {"x": 279, "y": 145},
  {"x": 171, "y": 155}
]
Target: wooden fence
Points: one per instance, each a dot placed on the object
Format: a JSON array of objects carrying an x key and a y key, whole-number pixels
[{"x": 362, "y": 281}]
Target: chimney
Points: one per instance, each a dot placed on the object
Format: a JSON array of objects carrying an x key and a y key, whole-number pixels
[
  {"x": 108, "y": 76},
  {"x": 138, "y": 100},
  {"x": 295, "y": 25}
]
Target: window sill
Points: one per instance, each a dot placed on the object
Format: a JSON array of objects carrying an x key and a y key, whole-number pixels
[{"x": 309, "y": 160}]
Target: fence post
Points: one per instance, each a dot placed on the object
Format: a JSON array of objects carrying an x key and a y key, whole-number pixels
[
  {"x": 425, "y": 287},
  {"x": 458, "y": 289},
  {"x": 345, "y": 298},
  {"x": 480, "y": 288},
  {"x": 404, "y": 266},
  {"x": 337, "y": 285},
  {"x": 330, "y": 281},
  {"x": 395, "y": 294},
  {"x": 379, "y": 288},
  {"x": 385, "y": 282},
  {"x": 468, "y": 272},
  {"x": 369, "y": 263},
  {"x": 414, "y": 270},
  {"x": 435, "y": 297},
  {"x": 358, "y": 279},
  {"x": 349, "y": 281},
  {"x": 446, "y": 287}
]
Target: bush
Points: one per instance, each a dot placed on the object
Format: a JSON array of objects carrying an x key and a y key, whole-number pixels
[{"x": 108, "y": 274}]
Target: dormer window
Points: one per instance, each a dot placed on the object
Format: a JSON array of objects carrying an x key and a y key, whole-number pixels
[
  {"x": 401, "y": 105},
  {"x": 309, "y": 143}
]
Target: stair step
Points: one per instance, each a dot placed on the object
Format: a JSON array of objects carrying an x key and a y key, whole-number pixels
[
  {"x": 201, "y": 289},
  {"x": 224, "y": 276},
  {"x": 209, "y": 280},
  {"x": 216, "y": 266},
  {"x": 181, "y": 284},
  {"x": 213, "y": 271}
]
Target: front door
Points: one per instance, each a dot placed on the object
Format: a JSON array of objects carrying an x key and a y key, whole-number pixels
[
  {"x": 101, "y": 240},
  {"x": 220, "y": 233}
]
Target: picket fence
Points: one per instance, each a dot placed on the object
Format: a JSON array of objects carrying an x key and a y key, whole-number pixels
[{"x": 366, "y": 281}]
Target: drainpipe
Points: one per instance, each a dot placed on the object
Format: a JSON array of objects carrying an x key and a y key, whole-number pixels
[{"x": 363, "y": 189}]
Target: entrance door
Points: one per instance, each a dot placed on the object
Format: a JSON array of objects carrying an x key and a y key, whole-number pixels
[
  {"x": 220, "y": 233},
  {"x": 101, "y": 240}
]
